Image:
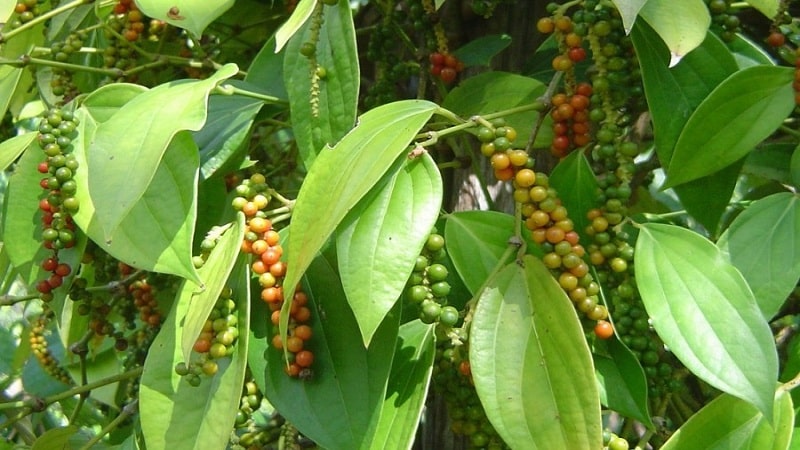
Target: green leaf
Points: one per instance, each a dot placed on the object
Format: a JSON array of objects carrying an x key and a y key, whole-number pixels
[
  {"x": 12, "y": 148},
  {"x": 167, "y": 209},
  {"x": 762, "y": 243},
  {"x": 176, "y": 415},
  {"x": 335, "y": 111},
  {"x": 476, "y": 240},
  {"x": 672, "y": 94},
  {"x": 214, "y": 273},
  {"x": 226, "y": 129},
  {"x": 622, "y": 383},
  {"x": 530, "y": 362},
  {"x": 379, "y": 241},
  {"x": 497, "y": 91},
  {"x": 480, "y": 51},
  {"x": 703, "y": 310},
  {"x": 629, "y": 10},
  {"x": 771, "y": 161},
  {"x": 767, "y": 7},
  {"x": 408, "y": 385},
  {"x": 731, "y": 423},
  {"x": 9, "y": 79},
  {"x": 299, "y": 17},
  {"x": 191, "y": 15},
  {"x": 576, "y": 184},
  {"x": 55, "y": 438},
  {"x": 681, "y": 25},
  {"x": 707, "y": 198},
  {"x": 135, "y": 138},
  {"x": 748, "y": 53},
  {"x": 741, "y": 112},
  {"x": 794, "y": 166},
  {"x": 345, "y": 174},
  {"x": 266, "y": 71},
  {"x": 340, "y": 406}
]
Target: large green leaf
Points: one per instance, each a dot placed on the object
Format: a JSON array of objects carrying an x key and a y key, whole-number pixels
[
  {"x": 576, "y": 184},
  {"x": 134, "y": 140},
  {"x": 214, "y": 273},
  {"x": 167, "y": 208},
  {"x": 344, "y": 174},
  {"x": 702, "y": 308},
  {"x": 742, "y": 111},
  {"x": 340, "y": 406},
  {"x": 10, "y": 149},
  {"x": 762, "y": 242},
  {"x": 476, "y": 240},
  {"x": 491, "y": 92},
  {"x": 173, "y": 413},
  {"x": 731, "y": 423},
  {"x": 382, "y": 236},
  {"x": 672, "y": 94},
  {"x": 681, "y": 25},
  {"x": 9, "y": 79},
  {"x": 266, "y": 70},
  {"x": 794, "y": 166},
  {"x": 324, "y": 120},
  {"x": 622, "y": 383},
  {"x": 707, "y": 198},
  {"x": 191, "y": 15},
  {"x": 530, "y": 362},
  {"x": 408, "y": 387},
  {"x": 748, "y": 53},
  {"x": 767, "y": 7},
  {"x": 299, "y": 17}
]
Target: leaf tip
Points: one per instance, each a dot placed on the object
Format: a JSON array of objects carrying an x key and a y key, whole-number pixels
[{"x": 674, "y": 59}]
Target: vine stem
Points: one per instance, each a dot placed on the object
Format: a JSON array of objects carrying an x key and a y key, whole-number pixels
[
  {"x": 545, "y": 99},
  {"x": 41, "y": 19},
  {"x": 41, "y": 403},
  {"x": 8, "y": 300},
  {"x": 227, "y": 89},
  {"x": 791, "y": 384},
  {"x": 129, "y": 410}
]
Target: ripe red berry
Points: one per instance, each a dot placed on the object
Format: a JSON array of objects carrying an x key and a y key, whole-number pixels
[
  {"x": 776, "y": 39},
  {"x": 603, "y": 329},
  {"x": 63, "y": 270},
  {"x": 43, "y": 167},
  {"x": 451, "y": 61},
  {"x": 577, "y": 54},
  {"x": 50, "y": 264},
  {"x": 436, "y": 59},
  {"x": 448, "y": 74}
]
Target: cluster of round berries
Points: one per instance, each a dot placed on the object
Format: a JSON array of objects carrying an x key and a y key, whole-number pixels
[
  {"x": 452, "y": 379},
  {"x": 569, "y": 42},
  {"x": 216, "y": 340},
  {"x": 263, "y": 242},
  {"x": 571, "y": 126},
  {"x": 144, "y": 300},
  {"x": 56, "y": 131},
  {"x": 132, "y": 19},
  {"x": 613, "y": 442},
  {"x": 445, "y": 66},
  {"x": 26, "y": 10},
  {"x": 38, "y": 343},
  {"x": 62, "y": 83},
  {"x": 428, "y": 287},
  {"x": 497, "y": 140},
  {"x": 723, "y": 19}
]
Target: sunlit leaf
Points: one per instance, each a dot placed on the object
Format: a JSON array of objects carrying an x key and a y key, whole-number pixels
[
  {"x": 767, "y": 7},
  {"x": 134, "y": 140},
  {"x": 703, "y": 310},
  {"x": 408, "y": 387},
  {"x": 299, "y": 17},
  {"x": 10, "y": 149},
  {"x": 173, "y": 413},
  {"x": 191, "y": 15},
  {"x": 382, "y": 236},
  {"x": 762, "y": 243},
  {"x": 344, "y": 174},
  {"x": 530, "y": 362},
  {"x": 681, "y": 25},
  {"x": 729, "y": 422},
  {"x": 629, "y": 10}
]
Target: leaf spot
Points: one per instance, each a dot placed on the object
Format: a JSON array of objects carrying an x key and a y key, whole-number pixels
[{"x": 174, "y": 13}]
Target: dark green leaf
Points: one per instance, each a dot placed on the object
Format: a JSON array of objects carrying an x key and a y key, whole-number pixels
[
  {"x": 577, "y": 187},
  {"x": 120, "y": 149},
  {"x": 629, "y": 10},
  {"x": 622, "y": 383},
  {"x": 9, "y": 79},
  {"x": 497, "y": 91},
  {"x": 729, "y": 422},
  {"x": 266, "y": 71},
  {"x": 55, "y": 438},
  {"x": 345, "y": 174},
  {"x": 325, "y": 120},
  {"x": 530, "y": 362},
  {"x": 748, "y": 53},
  {"x": 340, "y": 406},
  {"x": 408, "y": 386},
  {"x": 476, "y": 240},
  {"x": 226, "y": 129},
  {"x": 380, "y": 239},
  {"x": 707, "y": 198},
  {"x": 702, "y": 308},
  {"x": 673, "y": 94},
  {"x": 767, "y": 7},
  {"x": 772, "y": 162},
  {"x": 480, "y": 51},
  {"x": 176, "y": 415},
  {"x": 795, "y": 166},
  {"x": 742, "y": 111},
  {"x": 11, "y": 149},
  {"x": 762, "y": 243}
]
